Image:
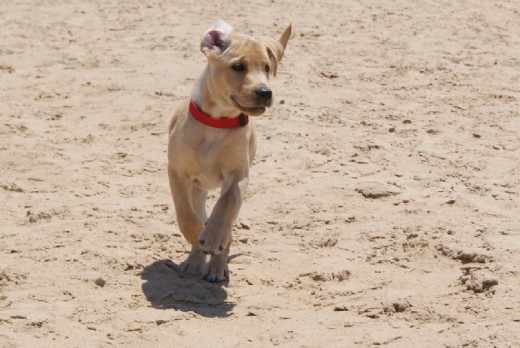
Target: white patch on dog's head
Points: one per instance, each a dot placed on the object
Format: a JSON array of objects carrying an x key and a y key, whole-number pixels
[{"x": 216, "y": 38}]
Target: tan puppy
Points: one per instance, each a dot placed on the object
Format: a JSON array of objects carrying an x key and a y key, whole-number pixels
[{"x": 212, "y": 142}]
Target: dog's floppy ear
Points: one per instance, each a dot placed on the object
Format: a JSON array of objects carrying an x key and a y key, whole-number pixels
[
  {"x": 276, "y": 48},
  {"x": 216, "y": 39}
]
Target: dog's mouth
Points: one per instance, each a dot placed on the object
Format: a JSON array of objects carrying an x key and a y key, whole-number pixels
[{"x": 250, "y": 110}]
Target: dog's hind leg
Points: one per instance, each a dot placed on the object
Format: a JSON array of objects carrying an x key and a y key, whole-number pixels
[{"x": 190, "y": 222}]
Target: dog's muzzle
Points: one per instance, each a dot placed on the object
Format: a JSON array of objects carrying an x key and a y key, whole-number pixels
[{"x": 264, "y": 94}]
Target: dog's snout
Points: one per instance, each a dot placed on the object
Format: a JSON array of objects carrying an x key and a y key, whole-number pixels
[{"x": 264, "y": 93}]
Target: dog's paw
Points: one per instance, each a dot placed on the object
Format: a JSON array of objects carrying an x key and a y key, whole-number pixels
[
  {"x": 217, "y": 270},
  {"x": 195, "y": 263},
  {"x": 215, "y": 238}
]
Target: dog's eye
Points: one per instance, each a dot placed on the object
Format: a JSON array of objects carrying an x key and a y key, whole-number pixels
[
  {"x": 267, "y": 68},
  {"x": 239, "y": 67}
]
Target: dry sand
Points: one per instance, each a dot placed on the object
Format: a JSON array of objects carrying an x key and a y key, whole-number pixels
[{"x": 383, "y": 206}]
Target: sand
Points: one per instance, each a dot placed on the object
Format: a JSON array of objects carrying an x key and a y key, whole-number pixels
[{"x": 383, "y": 206}]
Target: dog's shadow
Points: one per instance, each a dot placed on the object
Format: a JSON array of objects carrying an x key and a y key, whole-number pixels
[{"x": 166, "y": 288}]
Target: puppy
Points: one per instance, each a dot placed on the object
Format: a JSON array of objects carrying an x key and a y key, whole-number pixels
[{"x": 212, "y": 141}]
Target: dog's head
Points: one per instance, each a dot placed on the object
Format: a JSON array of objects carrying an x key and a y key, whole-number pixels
[{"x": 240, "y": 66}]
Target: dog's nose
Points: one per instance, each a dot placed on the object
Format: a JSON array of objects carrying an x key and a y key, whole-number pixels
[{"x": 264, "y": 93}]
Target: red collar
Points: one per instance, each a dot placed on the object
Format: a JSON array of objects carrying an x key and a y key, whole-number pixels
[{"x": 231, "y": 122}]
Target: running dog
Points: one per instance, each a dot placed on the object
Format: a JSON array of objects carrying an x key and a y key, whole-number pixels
[{"x": 212, "y": 141}]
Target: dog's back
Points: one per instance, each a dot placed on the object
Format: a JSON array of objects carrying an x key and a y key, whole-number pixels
[{"x": 179, "y": 111}]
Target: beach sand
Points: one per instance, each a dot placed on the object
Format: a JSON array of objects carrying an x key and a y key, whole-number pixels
[{"x": 383, "y": 206}]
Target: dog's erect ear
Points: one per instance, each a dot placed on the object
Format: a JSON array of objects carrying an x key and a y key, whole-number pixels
[
  {"x": 216, "y": 38},
  {"x": 276, "y": 48}
]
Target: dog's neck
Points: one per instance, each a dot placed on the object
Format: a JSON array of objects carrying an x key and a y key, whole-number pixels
[{"x": 204, "y": 94}]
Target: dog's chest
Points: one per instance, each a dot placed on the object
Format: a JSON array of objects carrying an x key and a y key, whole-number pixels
[
  {"x": 206, "y": 171},
  {"x": 213, "y": 160},
  {"x": 208, "y": 157}
]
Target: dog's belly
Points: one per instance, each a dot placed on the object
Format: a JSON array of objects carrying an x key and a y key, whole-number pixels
[
  {"x": 205, "y": 170},
  {"x": 206, "y": 181}
]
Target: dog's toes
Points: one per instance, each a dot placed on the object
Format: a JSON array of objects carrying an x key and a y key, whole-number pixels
[
  {"x": 217, "y": 273},
  {"x": 213, "y": 278},
  {"x": 195, "y": 263},
  {"x": 206, "y": 249},
  {"x": 187, "y": 267}
]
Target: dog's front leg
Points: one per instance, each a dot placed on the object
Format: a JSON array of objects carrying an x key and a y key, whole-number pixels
[
  {"x": 217, "y": 232},
  {"x": 216, "y": 237}
]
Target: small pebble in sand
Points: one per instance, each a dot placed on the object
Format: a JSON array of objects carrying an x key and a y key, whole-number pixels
[{"x": 100, "y": 282}]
